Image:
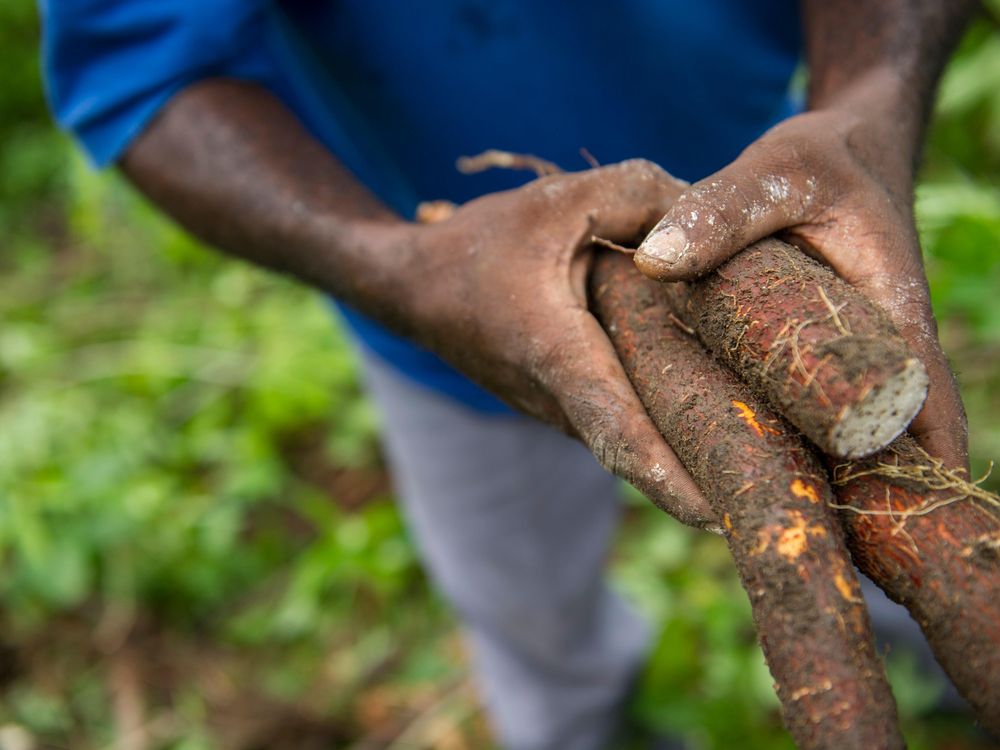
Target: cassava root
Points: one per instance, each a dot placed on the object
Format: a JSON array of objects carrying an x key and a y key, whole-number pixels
[
  {"x": 924, "y": 534},
  {"x": 830, "y": 362},
  {"x": 931, "y": 540},
  {"x": 825, "y": 357},
  {"x": 770, "y": 492}
]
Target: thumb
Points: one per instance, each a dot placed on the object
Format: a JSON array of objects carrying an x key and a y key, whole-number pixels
[{"x": 716, "y": 218}]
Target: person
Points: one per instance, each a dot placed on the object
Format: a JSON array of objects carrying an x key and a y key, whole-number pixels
[{"x": 302, "y": 136}]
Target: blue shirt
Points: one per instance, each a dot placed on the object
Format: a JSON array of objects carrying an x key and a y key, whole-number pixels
[{"x": 398, "y": 90}]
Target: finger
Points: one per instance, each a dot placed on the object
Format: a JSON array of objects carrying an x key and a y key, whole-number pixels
[
  {"x": 625, "y": 200},
  {"x": 941, "y": 426},
  {"x": 886, "y": 267},
  {"x": 716, "y": 218},
  {"x": 584, "y": 373}
]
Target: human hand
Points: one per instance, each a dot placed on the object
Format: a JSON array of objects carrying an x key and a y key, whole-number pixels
[
  {"x": 835, "y": 184},
  {"x": 497, "y": 287},
  {"x": 499, "y": 290}
]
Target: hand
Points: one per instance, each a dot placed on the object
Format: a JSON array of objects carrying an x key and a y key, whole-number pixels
[
  {"x": 837, "y": 186},
  {"x": 499, "y": 290}
]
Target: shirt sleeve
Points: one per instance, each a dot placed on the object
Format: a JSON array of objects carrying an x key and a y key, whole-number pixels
[{"x": 109, "y": 65}]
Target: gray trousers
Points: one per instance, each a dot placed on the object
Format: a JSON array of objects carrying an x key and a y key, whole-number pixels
[{"x": 513, "y": 521}]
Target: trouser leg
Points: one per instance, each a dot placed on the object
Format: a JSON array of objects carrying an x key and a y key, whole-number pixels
[{"x": 514, "y": 521}]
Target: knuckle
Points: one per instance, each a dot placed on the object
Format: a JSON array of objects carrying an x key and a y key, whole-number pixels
[
  {"x": 635, "y": 188},
  {"x": 645, "y": 170},
  {"x": 609, "y": 446},
  {"x": 556, "y": 190},
  {"x": 647, "y": 178}
]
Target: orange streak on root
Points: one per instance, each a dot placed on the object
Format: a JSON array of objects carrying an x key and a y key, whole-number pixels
[
  {"x": 804, "y": 489},
  {"x": 844, "y": 588},
  {"x": 794, "y": 540},
  {"x": 749, "y": 416}
]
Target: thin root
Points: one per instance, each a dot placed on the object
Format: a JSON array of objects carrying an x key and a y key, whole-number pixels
[
  {"x": 495, "y": 159},
  {"x": 842, "y": 325},
  {"x": 788, "y": 337},
  {"x": 431, "y": 212},
  {"x": 681, "y": 324},
  {"x": 612, "y": 245},
  {"x": 589, "y": 158},
  {"x": 931, "y": 473}
]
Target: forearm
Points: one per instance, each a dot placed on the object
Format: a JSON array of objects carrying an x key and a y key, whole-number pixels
[
  {"x": 229, "y": 162},
  {"x": 882, "y": 59}
]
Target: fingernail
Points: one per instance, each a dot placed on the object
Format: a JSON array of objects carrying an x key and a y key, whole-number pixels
[{"x": 662, "y": 249}]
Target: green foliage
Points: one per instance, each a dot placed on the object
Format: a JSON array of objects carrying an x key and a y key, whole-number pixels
[
  {"x": 32, "y": 154},
  {"x": 958, "y": 213},
  {"x": 706, "y": 679},
  {"x": 148, "y": 426},
  {"x": 153, "y": 403}
]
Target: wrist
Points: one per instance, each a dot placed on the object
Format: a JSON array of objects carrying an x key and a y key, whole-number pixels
[
  {"x": 882, "y": 123},
  {"x": 369, "y": 263},
  {"x": 884, "y": 119}
]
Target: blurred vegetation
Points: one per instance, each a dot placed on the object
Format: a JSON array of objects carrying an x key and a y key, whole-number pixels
[{"x": 197, "y": 542}]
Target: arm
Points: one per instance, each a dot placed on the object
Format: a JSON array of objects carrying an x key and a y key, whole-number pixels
[
  {"x": 497, "y": 289},
  {"x": 904, "y": 43},
  {"x": 838, "y": 179}
]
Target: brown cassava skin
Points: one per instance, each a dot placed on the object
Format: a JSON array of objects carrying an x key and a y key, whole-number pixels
[
  {"x": 944, "y": 567},
  {"x": 808, "y": 341},
  {"x": 769, "y": 490}
]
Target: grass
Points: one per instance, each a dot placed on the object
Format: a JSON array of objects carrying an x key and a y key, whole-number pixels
[{"x": 196, "y": 533}]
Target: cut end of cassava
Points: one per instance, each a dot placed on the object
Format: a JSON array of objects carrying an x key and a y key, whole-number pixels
[{"x": 882, "y": 415}]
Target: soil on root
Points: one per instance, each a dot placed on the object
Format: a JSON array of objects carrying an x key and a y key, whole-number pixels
[
  {"x": 823, "y": 355},
  {"x": 769, "y": 490},
  {"x": 931, "y": 540}
]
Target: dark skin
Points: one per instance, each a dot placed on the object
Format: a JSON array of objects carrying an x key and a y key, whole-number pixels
[{"x": 498, "y": 289}]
